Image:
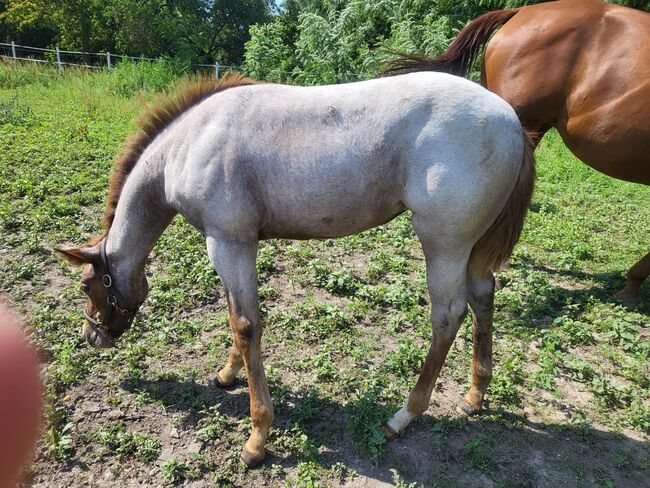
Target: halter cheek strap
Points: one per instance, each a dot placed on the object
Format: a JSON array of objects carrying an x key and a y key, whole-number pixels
[{"x": 111, "y": 299}]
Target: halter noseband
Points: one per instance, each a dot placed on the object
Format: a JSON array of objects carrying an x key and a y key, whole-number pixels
[{"x": 111, "y": 299}]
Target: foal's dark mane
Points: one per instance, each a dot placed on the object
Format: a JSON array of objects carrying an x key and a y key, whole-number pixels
[{"x": 152, "y": 121}]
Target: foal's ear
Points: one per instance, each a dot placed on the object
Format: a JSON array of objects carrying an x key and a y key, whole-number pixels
[{"x": 78, "y": 256}]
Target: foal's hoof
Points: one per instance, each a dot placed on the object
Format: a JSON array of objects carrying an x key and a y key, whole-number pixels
[
  {"x": 250, "y": 460},
  {"x": 465, "y": 408},
  {"x": 389, "y": 432},
  {"x": 217, "y": 383}
]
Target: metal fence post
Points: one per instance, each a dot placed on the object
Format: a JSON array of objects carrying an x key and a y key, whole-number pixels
[
  {"x": 58, "y": 59},
  {"x": 216, "y": 70},
  {"x": 13, "y": 52},
  {"x": 108, "y": 61}
]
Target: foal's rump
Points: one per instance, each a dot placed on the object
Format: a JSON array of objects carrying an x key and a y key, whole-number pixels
[{"x": 308, "y": 162}]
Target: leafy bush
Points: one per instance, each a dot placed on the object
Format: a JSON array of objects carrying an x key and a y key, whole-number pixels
[{"x": 128, "y": 77}]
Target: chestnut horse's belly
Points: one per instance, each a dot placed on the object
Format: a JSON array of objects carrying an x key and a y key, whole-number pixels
[
  {"x": 626, "y": 158},
  {"x": 613, "y": 138}
]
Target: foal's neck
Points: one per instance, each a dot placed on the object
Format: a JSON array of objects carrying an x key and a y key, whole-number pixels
[{"x": 141, "y": 216}]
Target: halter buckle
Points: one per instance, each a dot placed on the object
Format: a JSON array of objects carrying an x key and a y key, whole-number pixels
[{"x": 107, "y": 281}]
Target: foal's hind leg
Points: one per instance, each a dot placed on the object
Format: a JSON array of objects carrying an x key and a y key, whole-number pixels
[
  {"x": 637, "y": 275},
  {"x": 235, "y": 264},
  {"x": 481, "y": 300},
  {"x": 446, "y": 279}
]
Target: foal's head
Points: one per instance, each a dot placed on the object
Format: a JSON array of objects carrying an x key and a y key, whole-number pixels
[{"x": 107, "y": 313}]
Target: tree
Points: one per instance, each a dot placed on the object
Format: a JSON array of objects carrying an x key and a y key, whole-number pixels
[
  {"x": 21, "y": 23},
  {"x": 194, "y": 30},
  {"x": 78, "y": 22},
  {"x": 152, "y": 28},
  {"x": 225, "y": 28}
]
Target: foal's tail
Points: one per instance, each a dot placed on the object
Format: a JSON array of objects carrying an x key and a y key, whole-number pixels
[
  {"x": 495, "y": 246},
  {"x": 461, "y": 53}
]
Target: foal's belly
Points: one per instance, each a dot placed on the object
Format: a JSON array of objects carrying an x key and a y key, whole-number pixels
[
  {"x": 343, "y": 196},
  {"x": 324, "y": 223}
]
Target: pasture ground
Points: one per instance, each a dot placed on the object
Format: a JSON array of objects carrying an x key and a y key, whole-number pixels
[{"x": 346, "y": 329}]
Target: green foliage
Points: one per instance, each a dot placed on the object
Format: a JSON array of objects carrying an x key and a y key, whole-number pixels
[
  {"x": 58, "y": 443},
  {"x": 344, "y": 41},
  {"x": 174, "y": 471},
  {"x": 213, "y": 424},
  {"x": 478, "y": 452},
  {"x": 625, "y": 331},
  {"x": 406, "y": 359},
  {"x": 398, "y": 482},
  {"x": 28, "y": 74},
  {"x": 367, "y": 416},
  {"x": 340, "y": 282},
  {"x": 506, "y": 381},
  {"x": 15, "y": 113},
  {"x": 125, "y": 443},
  {"x": 267, "y": 55}
]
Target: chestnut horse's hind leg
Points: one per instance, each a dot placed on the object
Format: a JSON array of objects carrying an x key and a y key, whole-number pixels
[
  {"x": 637, "y": 274},
  {"x": 446, "y": 279},
  {"x": 235, "y": 263},
  {"x": 481, "y": 301}
]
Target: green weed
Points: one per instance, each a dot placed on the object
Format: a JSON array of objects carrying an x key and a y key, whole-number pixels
[{"x": 125, "y": 443}]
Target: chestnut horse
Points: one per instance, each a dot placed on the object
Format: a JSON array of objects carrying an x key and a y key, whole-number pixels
[
  {"x": 243, "y": 161},
  {"x": 581, "y": 66}
]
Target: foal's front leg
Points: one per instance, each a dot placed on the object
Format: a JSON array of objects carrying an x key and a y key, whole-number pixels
[
  {"x": 234, "y": 261},
  {"x": 226, "y": 375}
]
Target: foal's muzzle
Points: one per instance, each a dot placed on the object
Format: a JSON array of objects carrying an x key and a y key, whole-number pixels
[
  {"x": 96, "y": 328},
  {"x": 97, "y": 337}
]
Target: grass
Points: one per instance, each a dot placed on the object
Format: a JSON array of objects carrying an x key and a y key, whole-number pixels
[{"x": 346, "y": 329}]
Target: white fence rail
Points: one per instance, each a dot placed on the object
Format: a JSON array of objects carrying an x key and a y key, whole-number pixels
[{"x": 62, "y": 58}]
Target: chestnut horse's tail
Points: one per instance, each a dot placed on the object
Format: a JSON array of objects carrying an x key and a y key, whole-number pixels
[
  {"x": 495, "y": 246},
  {"x": 461, "y": 53}
]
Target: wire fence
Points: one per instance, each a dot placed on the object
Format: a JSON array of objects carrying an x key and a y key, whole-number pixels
[
  {"x": 16, "y": 53},
  {"x": 60, "y": 58}
]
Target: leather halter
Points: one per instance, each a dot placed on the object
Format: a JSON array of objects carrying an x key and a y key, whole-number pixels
[{"x": 111, "y": 300}]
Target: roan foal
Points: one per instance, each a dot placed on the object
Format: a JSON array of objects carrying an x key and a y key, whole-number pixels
[{"x": 243, "y": 161}]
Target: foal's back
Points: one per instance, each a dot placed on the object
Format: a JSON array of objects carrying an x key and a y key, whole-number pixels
[{"x": 304, "y": 162}]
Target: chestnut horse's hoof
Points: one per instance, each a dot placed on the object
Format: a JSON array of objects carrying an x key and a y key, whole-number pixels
[
  {"x": 250, "y": 460},
  {"x": 389, "y": 432},
  {"x": 465, "y": 408},
  {"x": 630, "y": 300}
]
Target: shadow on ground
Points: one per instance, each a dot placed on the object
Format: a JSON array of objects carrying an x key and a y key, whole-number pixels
[
  {"x": 552, "y": 298},
  {"x": 500, "y": 448}
]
